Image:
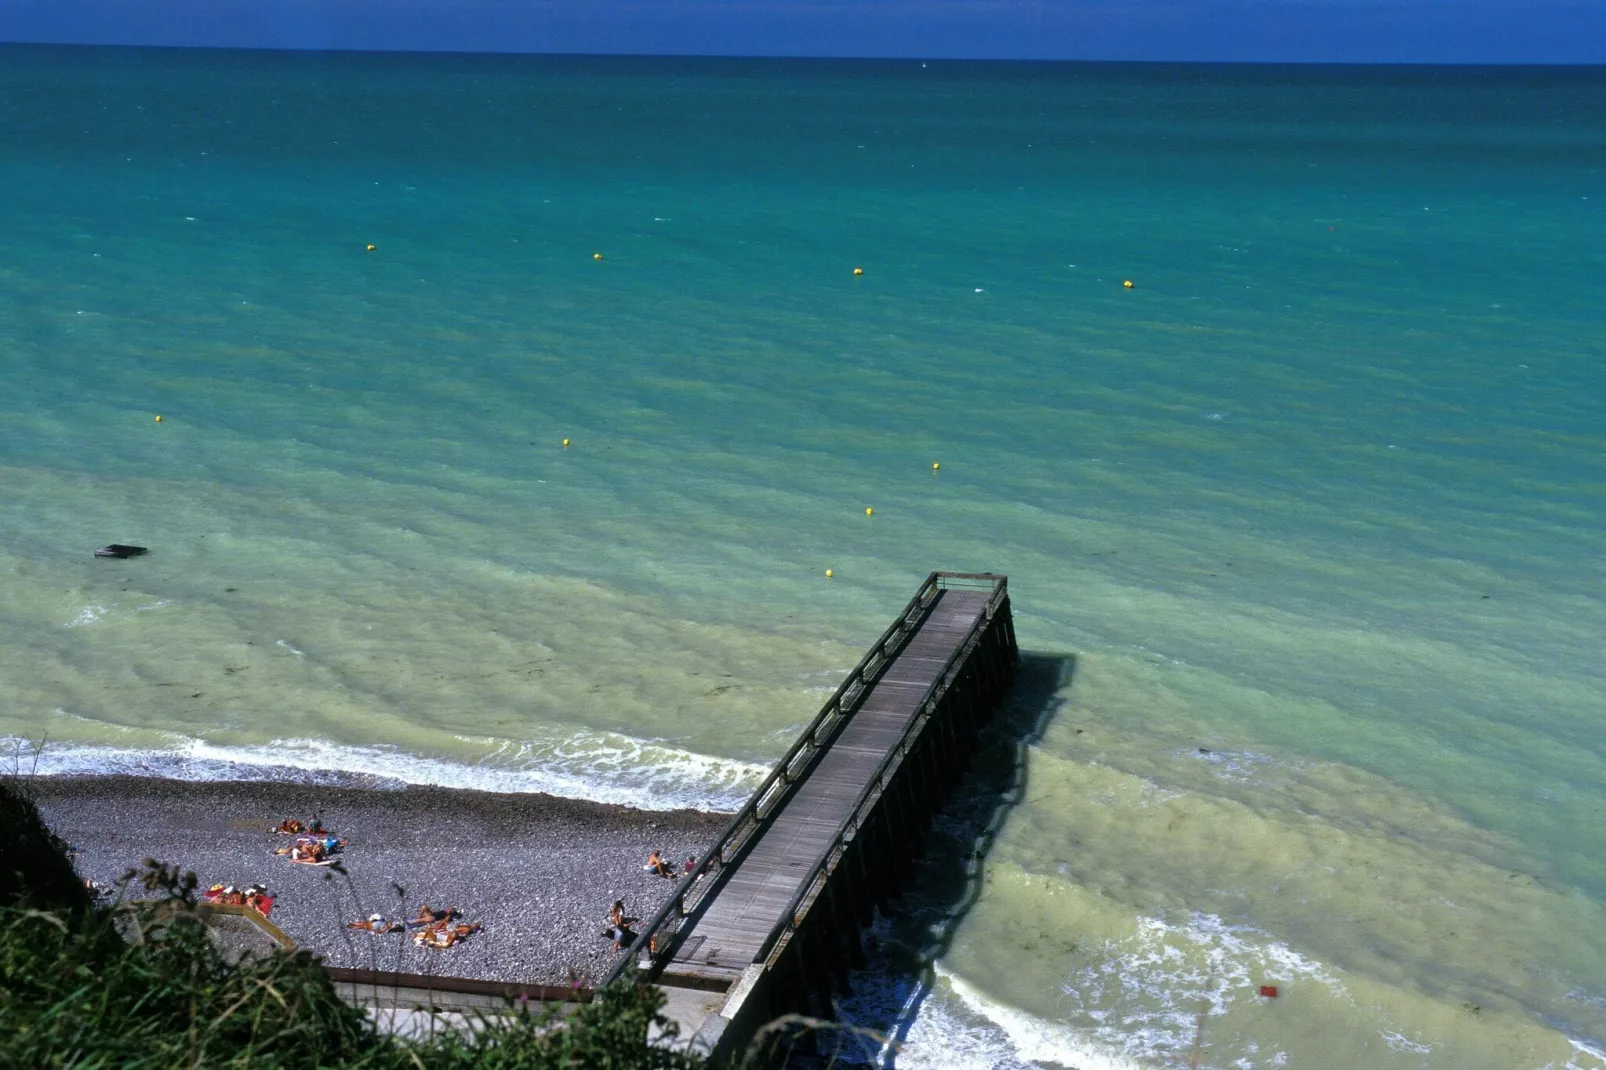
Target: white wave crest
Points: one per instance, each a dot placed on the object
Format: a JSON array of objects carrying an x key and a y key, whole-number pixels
[
  {"x": 598, "y": 766},
  {"x": 1023, "y": 1040}
]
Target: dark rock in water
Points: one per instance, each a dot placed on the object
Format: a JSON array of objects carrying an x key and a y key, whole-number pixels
[{"x": 117, "y": 549}]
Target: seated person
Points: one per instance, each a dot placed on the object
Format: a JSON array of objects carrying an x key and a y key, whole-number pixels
[
  {"x": 657, "y": 866},
  {"x": 691, "y": 864},
  {"x": 619, "y": 926}
]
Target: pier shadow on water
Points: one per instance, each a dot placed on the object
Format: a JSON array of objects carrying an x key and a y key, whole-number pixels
[{"x": 905, "y": 943}]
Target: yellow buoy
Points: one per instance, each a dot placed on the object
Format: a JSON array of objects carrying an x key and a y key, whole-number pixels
[
  {"x": 1127, "y": 284},
  {"x": 829, "y": 573},
  {"x": 596, "y": 256},
  {"x": 868, "y": 511},
  {"x": 158, "y": 419},
  {"x": 370, "y": 248},
  {"x": 935, "y": 465},
  {"x": 565, "y": 443},
  {"x": 858, "y": 271}
]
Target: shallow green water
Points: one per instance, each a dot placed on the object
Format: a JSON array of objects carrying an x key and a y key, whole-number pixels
[{"x": 1320, "y": 493}]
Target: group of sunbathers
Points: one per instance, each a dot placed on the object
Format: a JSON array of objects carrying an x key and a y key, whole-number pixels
[
  {"x": 312, "y": 850},
  {"x": 254, "y": 896},
  {"x": 314, "y": 845},
  {"x": 293, "y": 827},
  {"x": 430, "y": 927},
  {"x": 659, "y": 866}
]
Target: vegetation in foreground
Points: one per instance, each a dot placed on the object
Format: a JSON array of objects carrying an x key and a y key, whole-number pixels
[{"x": 90, "y": 986}]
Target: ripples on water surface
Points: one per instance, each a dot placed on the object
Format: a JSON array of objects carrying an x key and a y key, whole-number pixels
[{"x": 1320, "y": 494}]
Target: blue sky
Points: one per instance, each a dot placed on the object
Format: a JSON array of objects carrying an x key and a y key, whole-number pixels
[{"x": 1423, "y": 31}]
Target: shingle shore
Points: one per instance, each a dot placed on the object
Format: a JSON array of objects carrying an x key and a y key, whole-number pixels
[{"x": 539, "y": 872}]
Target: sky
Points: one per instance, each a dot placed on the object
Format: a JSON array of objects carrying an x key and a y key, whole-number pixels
[{"x": 1342, "y": 31}]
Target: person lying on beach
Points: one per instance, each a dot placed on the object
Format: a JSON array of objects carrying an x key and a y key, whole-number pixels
[
  {"x": 428, "y": 915},
  {"x": 310, "y": 853},
  {"x": 256, "y": 897},
  {"x": 308, "y": 849},
  {"x": 657, "y": 866},
  {"x": 442, "y": 934},
  {"x": 376, "y": 923},
  {"x": 289, "y": 827}
]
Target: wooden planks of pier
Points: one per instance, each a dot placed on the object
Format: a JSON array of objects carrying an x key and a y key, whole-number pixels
[{"x": 772, "y": 915}]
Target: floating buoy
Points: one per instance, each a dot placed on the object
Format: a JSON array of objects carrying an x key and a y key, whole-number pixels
[
  {"x": 1269, "y": 991},
  {"x": 565, "y": 443},
  {"x": 935, "y": 466},
  {"x": 1127, "y": 284},
  {"x": 158, "y": 419},
  {"x": 869, "y": 511},
  {"x": 858, "y": 271},
  {"x": 596, "y": 256},
  {"x": 371, "y": 248},
  {"x": 829, "y": 573}
]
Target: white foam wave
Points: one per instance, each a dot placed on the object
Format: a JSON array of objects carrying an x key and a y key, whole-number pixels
[
  {"x": 1030, "y": 1040},
  {"x": 92, "y": 614},
  {"x": 1138, "y": 1006},
  {"x": 1592, "y": 1056},
  {"x": 1146, "y": 991},
  {"x": 602, "y": 767}
]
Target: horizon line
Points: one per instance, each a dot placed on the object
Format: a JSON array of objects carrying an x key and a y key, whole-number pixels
[{"x": 843, "y": 58}]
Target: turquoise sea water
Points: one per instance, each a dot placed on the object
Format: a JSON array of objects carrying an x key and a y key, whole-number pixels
[{"x": 1321, "y": 493}]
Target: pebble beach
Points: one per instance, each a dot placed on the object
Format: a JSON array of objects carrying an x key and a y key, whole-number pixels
[{"x": 538, "y": 872}]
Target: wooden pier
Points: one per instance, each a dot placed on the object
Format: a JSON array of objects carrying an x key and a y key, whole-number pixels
[{"x": 771, "y": 916}]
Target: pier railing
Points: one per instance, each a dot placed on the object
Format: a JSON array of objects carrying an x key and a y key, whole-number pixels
[
  {"x": 814, "y": 881},
  {"x": 654, "y": 945}
]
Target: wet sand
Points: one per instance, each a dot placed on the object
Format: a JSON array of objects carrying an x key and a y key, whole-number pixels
[{"x": 538, "y": 872}]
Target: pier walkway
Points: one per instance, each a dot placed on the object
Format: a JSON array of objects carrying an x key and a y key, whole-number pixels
[{"x": 771, "y": 915}]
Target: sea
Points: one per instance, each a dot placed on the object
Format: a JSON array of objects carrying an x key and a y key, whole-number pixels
[{"x": 573, "y": 424}]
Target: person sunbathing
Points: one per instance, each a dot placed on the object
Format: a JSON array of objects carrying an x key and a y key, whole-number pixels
[
  {"x": 428, "y": 916},
  {"x": 657, "y": 866},
  {"x": 376, "y": 923},
  {"x": 443, "y": 935},
  {"x": 290, "y": 827}
]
